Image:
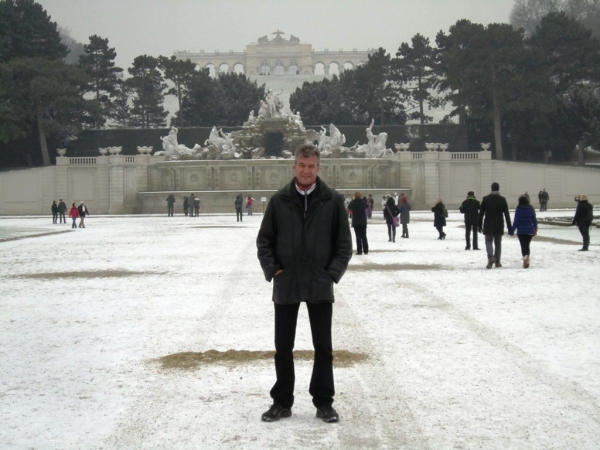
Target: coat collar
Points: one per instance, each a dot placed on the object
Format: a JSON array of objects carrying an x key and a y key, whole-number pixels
[{"x": 322, "y": 191}]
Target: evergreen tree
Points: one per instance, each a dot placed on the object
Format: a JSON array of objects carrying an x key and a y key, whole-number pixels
[
  {"x": 47, "y": 93},
  {"x": 417, "y": 66},
  {"x": 148, "y": 86},
  {"x": 98, "y": 63},
  {"x": 27, "y": 32},
  {"x": 120, "y": 111},
  {"x": 180, "y": 72}
]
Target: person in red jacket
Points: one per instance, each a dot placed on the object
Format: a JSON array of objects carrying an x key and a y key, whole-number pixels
[
  {"x": 249, "y": 203},
  {"x": 74, "y": 214}
]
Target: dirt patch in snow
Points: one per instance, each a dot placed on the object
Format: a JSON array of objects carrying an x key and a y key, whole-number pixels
[
  {"x": 86, "y": 274},
  {"x": 193, "y": 360},
  {"x": 393, "y": 267},
  {"x": 555, "y": 240}
]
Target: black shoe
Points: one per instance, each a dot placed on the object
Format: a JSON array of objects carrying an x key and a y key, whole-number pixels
[
  {"x": 467, "y": 248},
  {"x": 327, "y": 414},
  {"x": 490, "y": 263},
  {"x": 498, "y": 264},
  {"x": 276, "y": 412},
  {"x": 359, "y": 253},
  {"x": 582, "y": 249},
  {"x": 475, "y": 248}
]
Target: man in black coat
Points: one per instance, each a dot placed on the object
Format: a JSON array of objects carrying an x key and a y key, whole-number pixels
[
  {"x": 470, "y": 209},
  {"x": 304, "y": 246},
  {"x": 62, "y": 210},
  {"x": 170, "y": 204},
  {"x": 583, "y": 219},
  {"x": 493, "y": 208}
]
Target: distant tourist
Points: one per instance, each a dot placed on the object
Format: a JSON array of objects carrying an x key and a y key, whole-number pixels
[
  {"x": 238, "y": 207},
  {"x": 249, "y": 204},
  {"x": 390, "y": 214},
  {"x": 62, "y": 210},
  {"x": 526, "y": 225},
  {"x": 347, "y": 201},
  {"x": 358, "y": 208},
  {"x": 83, "y": 212},
  {"x": 197, "y": 206},
  {"x": 383, "y": 201},
  {"x": 54, "y": 212},
  {"x": 191, "y": 205},
  {"x": 186, "y": 203},
  {"x": 583, "y": 219},
  {"x": 74, "y": 214},
  {"x": 543, "y": 197},
  {"x": 526, "y": 194},
  {"x": 470, "y": 209},
  {"x": 492, "y": 214},
  {"x": 170, "y": 204},
  {"x": 439, "y": 218},
  {"x": 404, "y": 215},
  {"x": 371, "y": 204}
]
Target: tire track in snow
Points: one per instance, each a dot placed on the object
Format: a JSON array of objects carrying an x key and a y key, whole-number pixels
[{"x": 568, "y": 390}]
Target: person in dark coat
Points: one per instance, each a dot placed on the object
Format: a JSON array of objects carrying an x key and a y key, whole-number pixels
[
  {"x": 83, "y": 213},
  {"x": 54, "y": 212},
  {"x": 197, "y": 206},
  {"x": 583, "y": 219},
  {"x": 304, "y": 246},
  {"x": 470, "y": 209},
  {"x": 494, "y": 210},
  {"x": 238, "y": 207},
  {"x": 170, "y": 204},
  {"x": 359, "y": 209},
  {"x": 526, "y": 225},
  {"x": 186, "y": 204},
  {"x": 371, "y": 204},
  {"x": 191, "y": 205},
  {"x": 404, "y": 215},
  {"x": 389, "y": 212},
  {"x": 62, "y": 210},
  {"x": 439, "y": 218},
  {"x": 543, "y": 197}
]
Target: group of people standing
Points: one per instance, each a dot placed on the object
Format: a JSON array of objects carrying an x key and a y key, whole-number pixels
[
  {"x": 490, "y": 216},
  {"x": 76, "y": 212},
  {"x": 191, "y": 205}
]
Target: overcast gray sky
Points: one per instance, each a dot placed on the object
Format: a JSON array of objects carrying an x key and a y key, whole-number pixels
[{"x": 159, "y": 27}]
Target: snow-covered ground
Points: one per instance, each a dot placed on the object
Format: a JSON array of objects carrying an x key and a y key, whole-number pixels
[{"x": 458, "y": 356}]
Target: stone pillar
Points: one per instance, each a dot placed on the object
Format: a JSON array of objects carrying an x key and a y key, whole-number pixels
[
  {"x": 117, "y": 200},
  {"x": 430, "y": 178},
  {"x": 103, "y": 194}
]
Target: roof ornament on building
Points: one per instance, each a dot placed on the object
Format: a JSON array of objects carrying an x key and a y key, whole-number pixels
[{"x": 278, "y": 39}]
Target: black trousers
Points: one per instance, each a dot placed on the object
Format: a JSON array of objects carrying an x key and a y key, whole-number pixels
[
  {"x": 170, "y": 210},
  {"x": 493, "y": 245},
  {"x": 585, "y": 234},
  {"x": 62, "y": 217},
  {"x": 238, "y": 214},
  {"x": 391, "y": 232},
  {"x": 362, "y": 245},
  {"x": 54, "y": 218},
  {"x": 471, "y": 227},
  {"x": 525, "y": 240},
  {"x": 321, "y": 383},
  {"x": 440, "y": 230}
]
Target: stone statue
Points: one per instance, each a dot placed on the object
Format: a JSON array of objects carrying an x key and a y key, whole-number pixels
[
  {"x": 273, "y": 104},
  {"x": 214, "y": 139},
  {"x": 172, "y": 148},
  {"x": 334, "y": 140},
  {"x": 375, "y": 146},
  {"x": 296, "y": 121}
]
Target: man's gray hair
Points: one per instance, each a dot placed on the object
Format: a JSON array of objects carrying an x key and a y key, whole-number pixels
[{"x": 308, "y": 150}]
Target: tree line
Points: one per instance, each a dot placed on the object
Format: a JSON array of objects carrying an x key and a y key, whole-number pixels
[
  {"x": 531, "y": 92},
  {"x": 537, "y": 95}
]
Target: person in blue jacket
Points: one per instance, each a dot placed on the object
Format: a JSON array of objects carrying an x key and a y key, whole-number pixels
[{"x": 525, "y": 223}]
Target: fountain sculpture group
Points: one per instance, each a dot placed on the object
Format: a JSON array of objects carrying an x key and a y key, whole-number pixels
[{"x": 250, "y": 141}]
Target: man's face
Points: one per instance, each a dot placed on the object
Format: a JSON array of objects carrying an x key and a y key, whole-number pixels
[{"x": 306, "y": 170}]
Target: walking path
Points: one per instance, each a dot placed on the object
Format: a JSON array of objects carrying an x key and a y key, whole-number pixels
[{"x": 434, "y": 350}]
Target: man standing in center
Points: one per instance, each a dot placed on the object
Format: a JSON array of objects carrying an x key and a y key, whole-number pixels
[
  {"x": 304, "y": 246},
  {"x": 493, "y": 207}
]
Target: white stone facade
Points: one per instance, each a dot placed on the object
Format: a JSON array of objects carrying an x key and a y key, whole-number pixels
[{"x": 118, "y": 184}]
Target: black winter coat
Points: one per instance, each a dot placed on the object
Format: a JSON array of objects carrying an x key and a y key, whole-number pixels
[
  {"x": 470, "y": 208},
  {"x": 438, "y": 215},
  {"x": 493, "y": 208},
  {"x": 584, "y": 214},
  {"x": 83, "y": 212},
  {"x": 359, "y": 212},
  {"x": 394, "y": 210},
  {"x": 404, "y": 213},
  {"x": 312, "y": 247}
]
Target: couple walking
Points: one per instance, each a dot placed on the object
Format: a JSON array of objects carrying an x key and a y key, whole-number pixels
[{"x": 395, "y": 215}]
